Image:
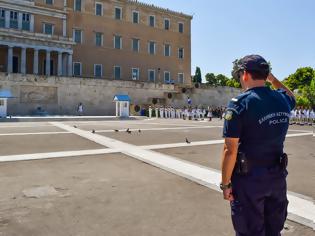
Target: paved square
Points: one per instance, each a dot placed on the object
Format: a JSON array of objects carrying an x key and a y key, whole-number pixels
[{"x": 59, "y": 178}]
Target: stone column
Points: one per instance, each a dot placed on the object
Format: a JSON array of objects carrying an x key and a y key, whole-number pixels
[
  {"x": 35, "y": 64},
  {"x": 70, "y": 72},
  {"x": 59, "y": 73},
  {"x": 7, "y": 19},
  {"x": 47, "y": 63},
  {"x": 23, "y": 61},
  {"x": 32, "y": 23},
  {"x": 10, "y": 59},
  {"x": 20, "y": 19}
]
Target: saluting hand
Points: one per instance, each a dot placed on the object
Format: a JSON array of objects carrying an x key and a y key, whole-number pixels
[{"x": 227, "y": 194}]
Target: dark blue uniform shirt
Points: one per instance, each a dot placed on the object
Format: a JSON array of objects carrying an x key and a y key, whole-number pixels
[{"x": 259, "y": 117}]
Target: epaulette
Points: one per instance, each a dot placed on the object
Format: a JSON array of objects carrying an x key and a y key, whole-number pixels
[{"x": 240, "y": 97}]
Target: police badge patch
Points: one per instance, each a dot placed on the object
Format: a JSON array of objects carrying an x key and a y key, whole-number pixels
[{"x": 228, "y": 115}]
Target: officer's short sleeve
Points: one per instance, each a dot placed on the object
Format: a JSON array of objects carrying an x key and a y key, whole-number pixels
[
  {"x": 233, "y": 120},
  {"x": 290, "y": 100}
]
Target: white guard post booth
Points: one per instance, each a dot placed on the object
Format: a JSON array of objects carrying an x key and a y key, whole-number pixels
[
  {"x": 4, "y": 95},
  {"x": 122, "y": 105}
]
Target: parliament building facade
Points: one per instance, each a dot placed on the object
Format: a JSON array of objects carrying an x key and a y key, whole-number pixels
[{"x": 99, "y": 39}]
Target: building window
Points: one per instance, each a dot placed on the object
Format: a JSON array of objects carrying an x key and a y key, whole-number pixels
[
  {"x": 77, "y": 5},
  {"x": 167, "y": 50},
  {"x": 136, "y": 45},
  {"x": 77, "y": 36},
  {"x": 135, "y": 17},
  {"x": 26, "y": 21},
  {"x": 98, "y": 39},
  {"x": 118, "y": 13},
  {"x": 167, "y": 77},
  {"x": 117, "y": 72},
  {"x": 181, "y": 27},
  {"x": 48, "y": 29},
  {"x": 167, "y": 24},
  {"x": 14, "y": 20},
  {"x": 180, "y": 78},
  {"x": 49, "y": 2},
  {"x": 2, "y": 18},
  {"x": 98, "y": 70},
  {"x": 152, "y": 47},
  {"x": 135, "y": 74},
  {"x": 77, "y": 69},
  {"x": 117, "y": 42},
  {"x": 98, "y": 9},
  {"x": 151, "y": 75},
  {"x": 152, "y": 21},
  {"x": 181, "y": 53}
]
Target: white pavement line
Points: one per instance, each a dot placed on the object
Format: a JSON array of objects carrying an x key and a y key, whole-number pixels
[
  {"x": 202, "y": 143},
  {"x": 300, "y": 130},
  {"x": 132, "y": 123},
  {"x": 38, "y": 133},
  {"x": 160, "y": 129},
  {"x": 25, "y": 126},
  {"x": 48, "y": 155},
  {"x": 175, "y": 145},
  {"x": 300, "y": 209},
  {"x": 298, "y": 135}
]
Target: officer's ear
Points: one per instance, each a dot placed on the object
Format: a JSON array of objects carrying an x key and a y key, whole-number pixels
[{"x": 246, "y": 76}]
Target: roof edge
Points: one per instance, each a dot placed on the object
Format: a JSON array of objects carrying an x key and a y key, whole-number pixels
[{"x": 166, "y": 10}]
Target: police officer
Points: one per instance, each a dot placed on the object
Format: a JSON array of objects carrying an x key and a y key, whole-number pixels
[{"x": 254, "y": 165}]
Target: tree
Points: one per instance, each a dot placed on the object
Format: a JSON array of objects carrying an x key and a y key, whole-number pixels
[
  {"x": 301, "y": 78},
  {"x": 197, "y": 78},
  {"x": 308, "y": 92},
  {"x": 211, "y": 79},
  {"x": 221, "y": 80}
]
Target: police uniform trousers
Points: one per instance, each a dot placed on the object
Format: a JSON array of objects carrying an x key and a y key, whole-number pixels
[{"x": 260, "y": 202}]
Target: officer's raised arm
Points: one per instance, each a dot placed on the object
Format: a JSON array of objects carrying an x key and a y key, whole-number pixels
[
  {"x": 278, "y": 85},
  {"x": 287, "y": 93}
]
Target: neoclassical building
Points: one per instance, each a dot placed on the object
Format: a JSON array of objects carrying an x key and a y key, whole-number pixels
[{"x": 99, "y": 39}]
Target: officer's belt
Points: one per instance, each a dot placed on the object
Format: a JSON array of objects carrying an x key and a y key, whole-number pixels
[{"x": 264, "y": 162}]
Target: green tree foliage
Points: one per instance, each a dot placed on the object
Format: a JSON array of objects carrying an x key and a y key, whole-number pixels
[
  {"x": 221, "y": 80},
  {"x": 303, "y": 81},
  {"x": 211, "y": 79},
  {"x": 308, "y": 93},
  {"x": 302, "y": 101},
  {"x": 301, "y": 78},
  {"x": 197, "y": 78}
]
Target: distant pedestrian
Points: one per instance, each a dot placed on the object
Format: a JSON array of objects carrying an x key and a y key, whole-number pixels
[
  {"x": 189, "y": 101},
  {"x": 80, "y": 109}
]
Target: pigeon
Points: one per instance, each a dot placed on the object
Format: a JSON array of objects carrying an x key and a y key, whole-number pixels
[
  {"x": 187, "y": 141},
  {"x": 93, "y": 131},
  {"x": 116, "y": 130},
  {"x": 139, "y": 130},
  {"x": 75, "y": 126}
]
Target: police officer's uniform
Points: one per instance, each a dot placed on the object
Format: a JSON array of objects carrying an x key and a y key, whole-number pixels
[{"x": 260, "y": 119}]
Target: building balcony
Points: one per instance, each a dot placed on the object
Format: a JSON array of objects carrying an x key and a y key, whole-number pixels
[
  {"x": 27, "y": 35},
  {"x": 20, "y": 2}
]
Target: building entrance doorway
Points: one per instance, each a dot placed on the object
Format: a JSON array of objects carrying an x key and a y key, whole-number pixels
[
  {"x": 51, "y": 67},
  {"x": 15, "y": 64}
]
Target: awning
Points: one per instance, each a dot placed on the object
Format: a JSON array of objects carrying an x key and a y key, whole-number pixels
[
  {"x": 121, "y": 98},
  {"x": 6, "y": 94}
]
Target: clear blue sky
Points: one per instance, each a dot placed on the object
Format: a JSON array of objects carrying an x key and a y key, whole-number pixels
[{"x": 283, "y": 31}]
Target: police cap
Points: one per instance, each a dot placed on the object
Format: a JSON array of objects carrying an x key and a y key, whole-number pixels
[{"x": 251, "y": 63}]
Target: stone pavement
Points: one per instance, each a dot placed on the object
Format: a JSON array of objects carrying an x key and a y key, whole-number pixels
[{"x": 59, "y": 178}]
